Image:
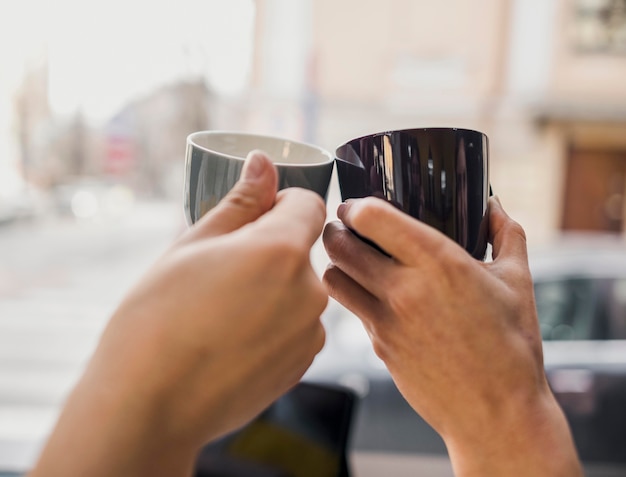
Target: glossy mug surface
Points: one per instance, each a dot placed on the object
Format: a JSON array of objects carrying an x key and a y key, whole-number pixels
[
  {"x": 214, "y": 160},
  {"x": 437, "y": 175}
]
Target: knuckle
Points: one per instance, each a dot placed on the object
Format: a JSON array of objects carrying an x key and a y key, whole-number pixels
[
  {"x": 400, "y": 302},
  {"x": 317, "y": 201},
  {"x": 319, "y": 296},
  {"x": 330, "y": 282},
  {"x": 312, "y": 334},
  {"x": 380, "y": 349},
  {"x": 319, "y": 338},
  {"x": 294, "y": 254},
  {"x": 404, "y": 292},
  {"x": 515, "y": 228},
  {"x": 369, "y": 211},
  {"x": 378, "y": 330},
  {"x": 304, "y": 196},
  {"x": 322, "y": 296},
  {"x": 288, "y": 251},
  {"x": 458, "y": 262},
  {"x": 242, "y": 197},
  {"x": 450, "y": 262},
  {"x": 289, "y": 262}
]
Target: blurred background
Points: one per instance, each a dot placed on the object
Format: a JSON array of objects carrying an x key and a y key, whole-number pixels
[{"x": 97, "y": 98}]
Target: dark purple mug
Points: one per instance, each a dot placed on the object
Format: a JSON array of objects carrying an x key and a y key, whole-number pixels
[{"x": 440, "y": 176}]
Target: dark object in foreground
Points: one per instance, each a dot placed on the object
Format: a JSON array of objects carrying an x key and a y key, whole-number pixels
[{"x": 303, "y": 434}]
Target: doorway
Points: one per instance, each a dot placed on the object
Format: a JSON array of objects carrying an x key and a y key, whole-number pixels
[{"x": 594, "y": 191}]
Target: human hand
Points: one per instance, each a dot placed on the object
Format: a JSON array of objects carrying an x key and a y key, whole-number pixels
[
  {"x": 460, "y": 337},
  {"x": 225, "y": 322}
]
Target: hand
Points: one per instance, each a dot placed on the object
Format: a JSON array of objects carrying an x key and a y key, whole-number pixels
[
  {"x": 224, "y": 323},
  {"x": 460, "y": 337}
]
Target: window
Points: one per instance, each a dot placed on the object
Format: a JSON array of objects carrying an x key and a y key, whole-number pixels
[{"x": 599, "y": 26}]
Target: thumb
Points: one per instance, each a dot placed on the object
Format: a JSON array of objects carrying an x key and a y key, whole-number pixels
[
  {"x": 506, "y": 236},
  {"x": 251, "y": 197}
]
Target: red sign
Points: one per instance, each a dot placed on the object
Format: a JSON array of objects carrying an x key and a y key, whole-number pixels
[{"x": 120, "y": 155}]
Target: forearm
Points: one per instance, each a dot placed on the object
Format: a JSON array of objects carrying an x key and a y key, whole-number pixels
[
  {"x": 104, "y": 431},
  {"x": 537, "y": 444}
]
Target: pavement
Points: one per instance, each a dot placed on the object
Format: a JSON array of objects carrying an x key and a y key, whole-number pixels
[{"x": 60, "y": 280}]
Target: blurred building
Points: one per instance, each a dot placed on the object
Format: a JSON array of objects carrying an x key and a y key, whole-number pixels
[
  {"x": 545, "y": 79},
  {"x": 145, "y": 141}
]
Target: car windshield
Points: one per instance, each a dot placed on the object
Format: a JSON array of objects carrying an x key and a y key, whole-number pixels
[
  {"x": 581, "y": 308},
  {"x": 568, "y": 309}
]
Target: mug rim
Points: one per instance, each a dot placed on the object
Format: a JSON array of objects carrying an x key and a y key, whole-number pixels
[
  {"x": 408, "y": 130},
  {"x": 191, "y": 141}
]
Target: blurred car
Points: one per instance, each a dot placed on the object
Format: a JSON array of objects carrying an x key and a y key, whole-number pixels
[
  {"x": 92, "y": 198},
  {"x": 25, "y": 203},
  {"x": 580, "y": 290},
  {"x": 580, "y": 287}
]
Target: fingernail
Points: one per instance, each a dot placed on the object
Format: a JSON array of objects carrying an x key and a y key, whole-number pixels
[
  {"x": 497, "y": 199},
  {"x": 254, "y": 165},
  {"x": 343, "y": 208}
]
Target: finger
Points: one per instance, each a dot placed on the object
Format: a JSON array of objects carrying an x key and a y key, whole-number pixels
[
  {"x": 361, "y": 262},
  {"x": 297, "y": 216},
  {"x": 351, "y": 295},
  {"x": 403, "y": 237},
  {"x": 252, "y": 196},
  {"x": 507, "y": 237}
]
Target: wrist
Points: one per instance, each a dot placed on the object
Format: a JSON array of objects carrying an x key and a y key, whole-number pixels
[{"x": 533, "y": 439}]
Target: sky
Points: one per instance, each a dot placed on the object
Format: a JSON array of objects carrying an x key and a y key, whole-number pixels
[{"x": 101, "y": 54}]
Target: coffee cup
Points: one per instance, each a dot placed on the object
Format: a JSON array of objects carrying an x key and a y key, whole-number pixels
[
  {"x": 439, "y": 176},
  {"x": 214, "y": 160}
]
